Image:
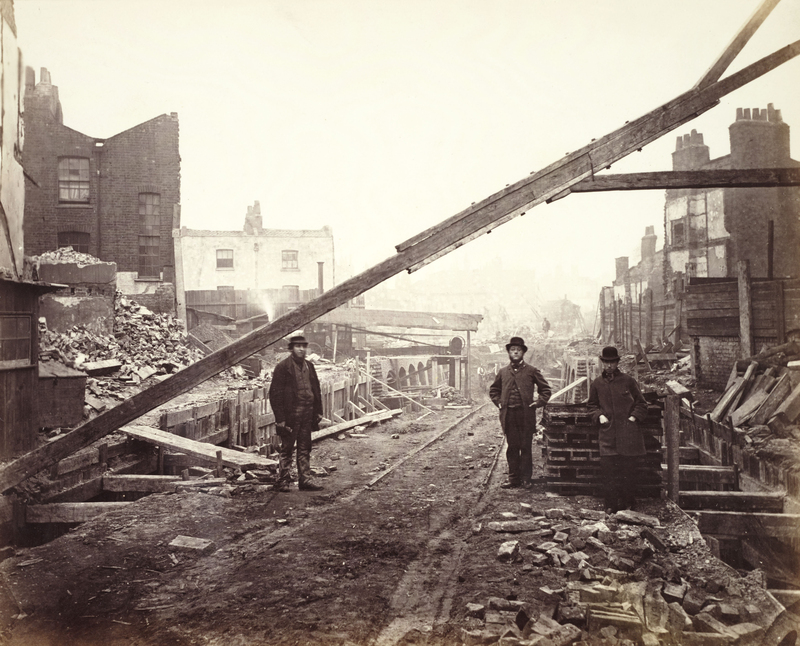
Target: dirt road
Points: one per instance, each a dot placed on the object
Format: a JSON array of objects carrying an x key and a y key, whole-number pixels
[{"x": 369, "y": 560}]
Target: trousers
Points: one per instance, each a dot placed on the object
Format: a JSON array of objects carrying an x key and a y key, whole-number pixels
[
  {"x": 620, "y": 474},
  {"x": 300, "y": 435},
  {"x": 519, "y": 453}
]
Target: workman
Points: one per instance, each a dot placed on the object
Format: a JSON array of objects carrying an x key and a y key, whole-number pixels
[
  {"x": 617, "y": 405},
  {"x": 513, "y": 393},
  {"x": 294, "y": 395}
]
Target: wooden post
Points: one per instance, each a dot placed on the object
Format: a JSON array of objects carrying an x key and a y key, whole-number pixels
[
  {"x": 602, "y": 308},
  {"x": 335, "y": 333},
  {"x": 672, "y": 430},
  {"x": 770, "y": 247},
  {"x": 745, "y": 310},
  {"x": 639, "y": 317},
  {"x": 780, "y": 315},
  {"x": 648, "y": 321},
  {"x": 220, "y": 472},
  {"x": 180, "y": 285},
  {"x": 102, "y": 455},
  {"x": 467, "y": 379},
  {"x": 630, "y": 323},
  {"x": 368, "y": 387}
]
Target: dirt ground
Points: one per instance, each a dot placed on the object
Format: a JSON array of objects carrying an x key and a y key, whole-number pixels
[{"x": 392, "y": 561}]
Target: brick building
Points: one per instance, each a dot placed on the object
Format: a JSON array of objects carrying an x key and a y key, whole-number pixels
[
  {"x": 707, "y": 232},
  {"x": 113, "y": 198}
]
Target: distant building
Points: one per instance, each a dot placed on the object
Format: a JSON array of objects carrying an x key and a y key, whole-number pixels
[
  {"x": 279, "y": 268},
  {"x": 112, "y": 198},
  {"x": 708, "y": 231}
]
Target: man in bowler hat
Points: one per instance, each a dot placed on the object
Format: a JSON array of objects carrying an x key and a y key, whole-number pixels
[
  {"x": 513, "y": 393},
  {"x": 294, "y": 395},
  {"x": 617, "y": 405}
]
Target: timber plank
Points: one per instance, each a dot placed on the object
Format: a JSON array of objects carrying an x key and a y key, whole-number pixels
[
  {"x": 423, "y": 248},
  {"x": 734, "y": 523},
  {"x": 380, "y": 416},
  {"x": 732, "y": 501},
  {"x": 140, "y": 484},
  {"x": 749, "y": 407},
  {"x": 775, "y": 398},
  {"x": 69, "y": 512},
  {"x": 726, "y": 399},
  {"x": 707, "y": 474},
  {"x": 199, "y": 450}
]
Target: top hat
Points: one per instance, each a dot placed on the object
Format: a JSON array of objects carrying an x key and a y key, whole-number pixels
[
  {"x": 516, "y": 340},
  {"x": 609, "y": 354},
  {"x": 297, "y": 340}
]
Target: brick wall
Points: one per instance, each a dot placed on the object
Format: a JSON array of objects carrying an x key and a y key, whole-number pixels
[
  {"x": 160, "y": 301},
  {"x": 143, "y": 159},
  {"x": 713, "y": 359}
]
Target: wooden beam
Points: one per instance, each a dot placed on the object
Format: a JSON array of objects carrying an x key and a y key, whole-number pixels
[
  {"x": 733, "y": 523},
  {"x": 745, "y": 309},
  {"x": 737, "y": 44},
  {"x": 201, "y": 451},
  {"x": 707, "y": 475},
  {"x": 412, "y": 254},
  {"x": 732, "y": 501},
  {"x": 397, "y": 318},
  {"x": 69, "y": 512},
  {"x": 140, "y": 484},
  {"x": 518, "y": 198},
  {"x": 672, "y": 430},
  {"x": 727, "y": 178},
  {"x": 379, "y": 416}
]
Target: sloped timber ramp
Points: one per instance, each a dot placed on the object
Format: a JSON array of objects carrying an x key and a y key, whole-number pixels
[{"x": 201, "y": 450}]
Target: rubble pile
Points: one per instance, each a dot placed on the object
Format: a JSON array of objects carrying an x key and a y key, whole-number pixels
[
  {"x": 62, "y": 256},
  {"x": 764, "y": 390},
  {"x": 144, "y": 345},
  {"x": 622, "y": 581},
  {"x": 450, "y": 394}
]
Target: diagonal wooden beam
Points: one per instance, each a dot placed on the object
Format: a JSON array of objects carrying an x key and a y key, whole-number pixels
[
  {"x": 430, "y": 245},
  {"x": 737, "y": 44},
  {"x": 728, "y": 178},
  {"x": 550, "y": 182}
]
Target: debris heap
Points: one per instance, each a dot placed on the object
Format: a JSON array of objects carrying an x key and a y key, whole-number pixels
[{"x": 143, "y": 345}]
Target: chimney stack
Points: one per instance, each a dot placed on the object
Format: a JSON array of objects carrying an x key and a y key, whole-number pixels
[
  {"x": 649, "y": 244},
  {"x": 690, "y": 152},
  {"x": 622, "y": 267}
]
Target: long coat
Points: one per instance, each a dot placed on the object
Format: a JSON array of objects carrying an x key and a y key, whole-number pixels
[
  {"x": 283, "y": 392},
  {"x": 527, "y": 378},
  {"x": 618, "y": 399}
]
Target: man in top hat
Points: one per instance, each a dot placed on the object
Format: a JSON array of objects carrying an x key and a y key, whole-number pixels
[
  {"x": 617, "y": 405},
  {"x": 294, "y": 395},
  {"x": 513, "y": 393}
]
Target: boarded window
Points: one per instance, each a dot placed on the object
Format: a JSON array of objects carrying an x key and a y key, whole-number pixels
[
  {"x": 78, "y": 240},
  {"x": 149, "y": 235},
  {"x": 73, "y": 179},
  {"x": 224, "y": 258},
  {"x": 15, "y": 341},
  {"x": 678, "y": 233},
  {"x": 289, "y": 260}
]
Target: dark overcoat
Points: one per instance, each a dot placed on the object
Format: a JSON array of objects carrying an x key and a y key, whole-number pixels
[
  {"x": 283, "y": 392},
  {"x": 529, "y": 380},
  {"x": 618, "y": 399}
]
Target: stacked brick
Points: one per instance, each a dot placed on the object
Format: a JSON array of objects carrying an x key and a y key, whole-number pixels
[{"x": 572, "y": 455}]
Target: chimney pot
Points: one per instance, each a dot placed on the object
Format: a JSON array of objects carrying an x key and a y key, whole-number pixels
[
  {"x": 739, "y": 114},
  {"x": 747, "y": 113}
]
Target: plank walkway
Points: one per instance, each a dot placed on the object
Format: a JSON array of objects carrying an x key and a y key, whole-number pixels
[{"x": 202, "y": 451}]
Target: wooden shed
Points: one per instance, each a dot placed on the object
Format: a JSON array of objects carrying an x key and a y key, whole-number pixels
[{"x": 60, "y": 396}]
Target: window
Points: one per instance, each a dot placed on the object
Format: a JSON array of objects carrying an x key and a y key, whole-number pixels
[
  {"x": 678, "y": 233},
  {"x": 73, "y": 179},
  {"x": 78, "y": 240},
  {"x": 224, "y": 258},
  {"x": 289, "y": 261},
  {"x": 149, "y": 235},
  {"x": 290, "y": 293},
  {"x": 15, "y": 341}
]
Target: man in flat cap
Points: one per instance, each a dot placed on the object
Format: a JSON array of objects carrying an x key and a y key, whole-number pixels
[
  {"x": 513, "y": 393},
  {"x": 617, "y": 405},
  {"x": 294, "y": 395}
]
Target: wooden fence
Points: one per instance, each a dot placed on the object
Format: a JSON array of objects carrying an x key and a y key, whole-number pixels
[
  {"x": 624, "y": 322},
  {"x": 246, "y": 419}
]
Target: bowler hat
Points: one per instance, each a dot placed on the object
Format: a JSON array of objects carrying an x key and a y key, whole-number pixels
[
  {"x": 297, "y": 340},
  {"x": 609, "y": 354},
  {"x": 517, "y": 340}
]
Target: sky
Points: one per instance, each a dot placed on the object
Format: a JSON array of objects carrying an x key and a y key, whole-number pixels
[{"x": 381, "y": 118}]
